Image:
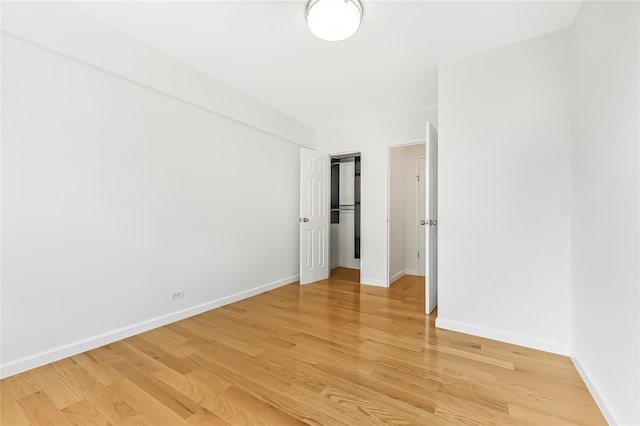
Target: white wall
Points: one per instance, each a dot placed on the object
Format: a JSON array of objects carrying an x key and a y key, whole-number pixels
[
  {"x": 68, "y": 30},
  {"x": 116, "y": 193},
  {"x": 371, "y": 138},
  {"x": 504, "y": 194},
  {"x": 334, "y": 249},
  {"x": 605, "y": 231}
]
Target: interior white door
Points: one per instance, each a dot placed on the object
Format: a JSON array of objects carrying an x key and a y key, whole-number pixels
[
  {"x": 423, "y": 217},
  {"x": 431, "y": 247},
  {"x": 314, "y": 216}
]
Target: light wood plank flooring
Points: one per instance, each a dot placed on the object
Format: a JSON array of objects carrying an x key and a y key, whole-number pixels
[{"x": 329, "y": 353}]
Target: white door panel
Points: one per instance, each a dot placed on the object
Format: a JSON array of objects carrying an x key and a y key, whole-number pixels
[
  {"x": 423, "y": 217},
  {"x": 314, "y": 216},
  {"x": 431, "y": 244}
]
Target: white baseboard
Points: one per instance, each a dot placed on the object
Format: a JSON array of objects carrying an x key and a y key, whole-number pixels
[
  {"x": 504, "y": 336},
  {"x": 373, "y": 281},
  {"x": 411, "y": 272},
  {"x": 351, "y": 264},
  {"x": 55, "y": 354},
  {"x": 603, "y": 403},
  {"x": 396, "y": 277}
]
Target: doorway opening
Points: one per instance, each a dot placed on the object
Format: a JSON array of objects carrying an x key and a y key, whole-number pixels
[
  {"x": 345, "y": 229},
  {"x": 412, "y": 233},
  {"x": 406, "y": 235}
]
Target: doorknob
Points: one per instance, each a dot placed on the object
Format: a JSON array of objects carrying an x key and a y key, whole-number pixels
[
  {"x": 306, "y": 219},
  {"x": 433, "y": 222},
  {"x": 423, "y": 222}
]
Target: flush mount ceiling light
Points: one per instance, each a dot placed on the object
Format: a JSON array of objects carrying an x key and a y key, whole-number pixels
[{"x": 334, "y": 20}]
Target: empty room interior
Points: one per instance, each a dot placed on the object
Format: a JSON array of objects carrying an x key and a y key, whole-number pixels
[{"x": 324, "y": 212}]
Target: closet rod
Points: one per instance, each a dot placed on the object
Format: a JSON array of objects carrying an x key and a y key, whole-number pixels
[{"x": 343, "y": 160}]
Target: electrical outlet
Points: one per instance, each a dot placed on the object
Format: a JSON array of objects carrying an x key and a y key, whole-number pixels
[{"x": 177, "y": 295}]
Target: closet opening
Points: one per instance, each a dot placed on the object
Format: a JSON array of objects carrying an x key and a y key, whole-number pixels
[{"x": 344, "y": 249}]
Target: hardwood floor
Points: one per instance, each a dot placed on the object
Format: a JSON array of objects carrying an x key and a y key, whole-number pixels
[{"x": 329, "y": 353}]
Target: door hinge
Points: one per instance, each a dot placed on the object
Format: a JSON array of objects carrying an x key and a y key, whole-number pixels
[
  {"x": 418, "y": 177},
  {"x": 418, "y": 255}
]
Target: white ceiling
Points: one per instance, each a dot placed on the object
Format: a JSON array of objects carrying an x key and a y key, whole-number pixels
[{"x": 263, "y": 48}]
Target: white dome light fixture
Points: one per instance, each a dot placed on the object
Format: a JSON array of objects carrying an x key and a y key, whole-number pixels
[{"x": 334, "y": 20}]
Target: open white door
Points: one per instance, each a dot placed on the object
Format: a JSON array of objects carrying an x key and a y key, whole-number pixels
[
  {"x": 423, "y": 217},
  {"x": 315, "y": 175},
  {"x": 431, "y": 245}
]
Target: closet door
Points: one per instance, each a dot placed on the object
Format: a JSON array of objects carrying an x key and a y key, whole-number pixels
[{"x": 314, "y": 216}]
